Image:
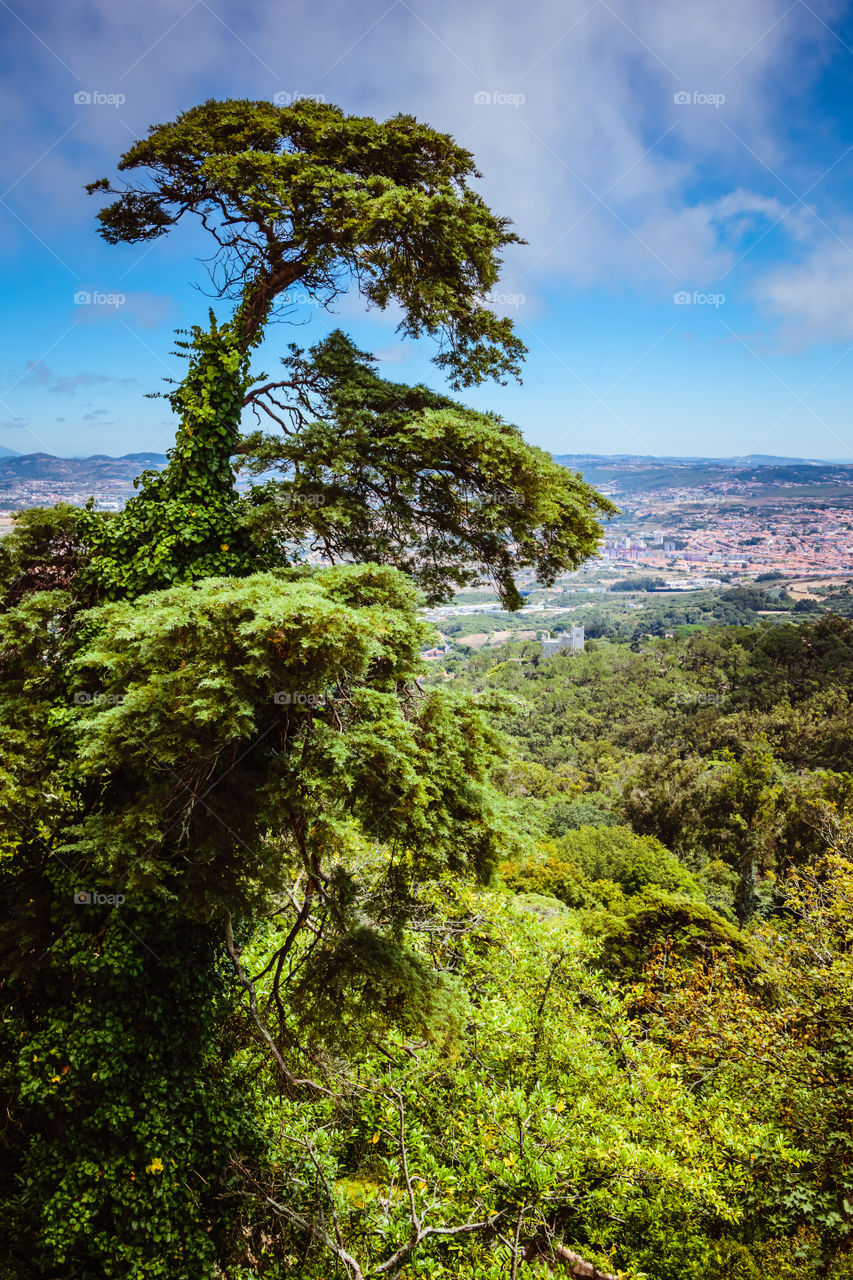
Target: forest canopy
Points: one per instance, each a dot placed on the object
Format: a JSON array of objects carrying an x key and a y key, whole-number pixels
[{"x": 315, "y": 961}]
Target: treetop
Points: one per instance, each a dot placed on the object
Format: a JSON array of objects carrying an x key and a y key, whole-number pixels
[{"x": 307, "y": 194}]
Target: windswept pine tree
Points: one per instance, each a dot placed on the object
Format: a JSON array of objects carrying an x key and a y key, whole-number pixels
[
  {"x": 307, "y": 198},
  {"x": 228, "y": 738}
]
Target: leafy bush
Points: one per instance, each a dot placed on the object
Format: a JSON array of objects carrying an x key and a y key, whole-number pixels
[
  {"x": 569, "y": 815},
  {"x": 631, "y": 861},
  {"x": 638, "y": 584},
  {"x": 690, "y": 929},
  {"x": 552, "y": 877}
]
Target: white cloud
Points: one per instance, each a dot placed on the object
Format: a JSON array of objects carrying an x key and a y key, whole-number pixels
[
  {"x": 603, "y": 173},
  {"x": 813, "y": 299},
  {"x": 599, "y": 168},
  {"x": 598, "y": 82}
]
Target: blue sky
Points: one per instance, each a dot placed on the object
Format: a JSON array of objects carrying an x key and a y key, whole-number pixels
[{"x": 647, "y": 153}]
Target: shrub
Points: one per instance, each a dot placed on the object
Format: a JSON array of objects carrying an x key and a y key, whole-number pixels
[
  {"x": 569, "y": 815},
  {"x": 692, "y": 929},
  {"x": 631, "y": 861}
]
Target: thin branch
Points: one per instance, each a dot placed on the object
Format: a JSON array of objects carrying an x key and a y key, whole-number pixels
[
  {"x": 514, "y": 1271},
  {"x": 467, "y": 1228},
  {"x": 580, "y": 1267},
  {"x": 313, "y": 1230},
  {"x": 416, "y": 1223},
  {"x": 329, "y": 1196},
  {"x": 295, "y": 1082}
]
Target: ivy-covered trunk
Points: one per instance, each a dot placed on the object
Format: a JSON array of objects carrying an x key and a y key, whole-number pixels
[
  {"x": 188, "y": 521},
  {"x": 128, "y": 1109}
]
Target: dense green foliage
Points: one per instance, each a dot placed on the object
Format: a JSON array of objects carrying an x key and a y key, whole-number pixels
[
  {"x": 187, "y": 521},
  {"x": 375, "y": 469},
  {"x": 179, "y": 761},
  {"x": 542, "y": 1114},
  {"x": 589, "y": 1059},
  {"x": 640, "y": 583},
  {"x": 726, "y": 756},
  {"x": 310, "y": 966},
  {"x": 370, "y": 470},
  {"x": 44, "y": 553}
]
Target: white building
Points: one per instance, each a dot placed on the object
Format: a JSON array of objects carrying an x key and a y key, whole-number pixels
[{"x": 568, "y": 642}]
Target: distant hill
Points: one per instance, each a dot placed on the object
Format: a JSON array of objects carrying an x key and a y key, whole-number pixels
[
  {"x": 746, "y": 459},
  {"x": 637, "y": 473},
  {"x": 619, "y": 472},
  {"x": 95, "y": 471}
]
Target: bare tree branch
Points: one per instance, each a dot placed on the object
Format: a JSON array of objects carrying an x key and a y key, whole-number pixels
[
  {"x": 312, "y": 1229},
  {"x": 295, "y": 1082}
]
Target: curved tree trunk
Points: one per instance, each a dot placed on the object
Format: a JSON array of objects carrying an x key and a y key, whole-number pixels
[{"x": 537, "y": 1251}]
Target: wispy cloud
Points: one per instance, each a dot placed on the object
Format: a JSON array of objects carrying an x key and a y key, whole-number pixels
[
  {"x": 66, "y": 384},
  {"x": 813, "y": 299}
]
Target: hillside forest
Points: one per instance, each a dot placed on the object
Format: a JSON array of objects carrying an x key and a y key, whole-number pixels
[{"x": 317, "y": 960}]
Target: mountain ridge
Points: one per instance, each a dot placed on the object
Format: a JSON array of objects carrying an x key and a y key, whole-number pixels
[{"x": 97, "y": 468}]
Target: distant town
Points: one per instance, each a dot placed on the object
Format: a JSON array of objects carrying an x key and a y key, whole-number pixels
[
  {"x": 690, "y": 522},
  {"x": 800, "y": 539}
]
